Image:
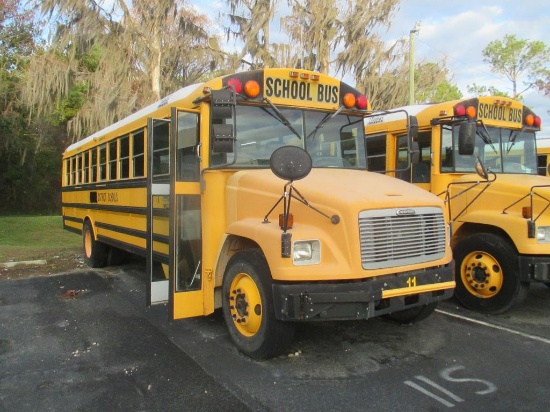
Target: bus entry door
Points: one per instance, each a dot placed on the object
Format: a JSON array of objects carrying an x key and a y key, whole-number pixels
[
  {"x": 186, "y": 279},
  {"x": 158, "y": 206}
]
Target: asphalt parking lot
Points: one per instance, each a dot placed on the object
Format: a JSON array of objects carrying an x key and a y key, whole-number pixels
[
  {"x": 74, "y": 343},
  {"x": 85, "y": 341}
]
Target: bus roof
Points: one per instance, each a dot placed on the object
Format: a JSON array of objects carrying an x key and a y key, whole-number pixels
[
  {"x": 395, "y": 113},
  {"x": 177, "y": 95}
]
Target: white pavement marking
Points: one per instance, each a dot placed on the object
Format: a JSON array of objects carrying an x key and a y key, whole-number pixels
[
  {"x": 490, "y": 325},
  {"x": 430, "y": 394}
]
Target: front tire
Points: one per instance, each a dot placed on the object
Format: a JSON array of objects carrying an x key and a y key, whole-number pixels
[
  {"x": 247, "y": 301},
  {"x": 95, "y": 253},
  {"x": 487, "y": 274}
]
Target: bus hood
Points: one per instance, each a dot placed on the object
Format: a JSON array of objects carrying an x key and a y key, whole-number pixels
[
  {"x": 509, "y": 193},
  {"x": 332, "y": 191}
]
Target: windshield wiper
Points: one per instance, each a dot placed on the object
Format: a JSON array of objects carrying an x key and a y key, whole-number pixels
[
  {"x": 281, "y": 117},
  {"x": 512, "y": 140},
  {"x": 325, "y": 119},
  {"x": 487, "y": 138}
]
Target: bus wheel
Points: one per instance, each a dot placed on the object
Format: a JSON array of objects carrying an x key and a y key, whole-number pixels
[
  {"x": 487, "y": 274},
  {"x": 413, "y": 315},
  {"x": 247, "y": 301},
  {"x": 95, "y": 253}
]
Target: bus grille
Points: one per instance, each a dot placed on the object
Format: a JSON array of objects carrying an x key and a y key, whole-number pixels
[{"x": 396, "y": 237}]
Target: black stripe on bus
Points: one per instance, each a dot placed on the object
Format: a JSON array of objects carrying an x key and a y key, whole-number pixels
[
  {"x": 128, "y": 247},
  {"x": 72, "y": 219},
  {"x": 124, "y": 230},
  {"x": 123, "y": 184},
  {"x": 119, "y": 209},
  {"x": 131, "y": 232},
  {"x": 157, "y": 256},
  {"x": 72, "y": 229}
]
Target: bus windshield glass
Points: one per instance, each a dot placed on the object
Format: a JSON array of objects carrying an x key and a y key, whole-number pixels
[
  {"x": 331, "y": 140},
  {"x": 501, "y": 150}
]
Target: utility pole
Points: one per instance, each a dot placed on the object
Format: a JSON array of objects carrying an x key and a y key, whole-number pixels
[{"x": 415, "y": 29}]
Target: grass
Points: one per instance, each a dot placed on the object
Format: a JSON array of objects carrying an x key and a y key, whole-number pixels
[{"x": 35, "y": 237}]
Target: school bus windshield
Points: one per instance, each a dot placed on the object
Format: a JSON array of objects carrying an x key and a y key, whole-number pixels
[
  {"x": 331, "y": 140},
  {"x": 501, "y": 150}
]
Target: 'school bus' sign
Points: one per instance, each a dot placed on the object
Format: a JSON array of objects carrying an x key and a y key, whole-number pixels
[{"x": 301, "y": 90}]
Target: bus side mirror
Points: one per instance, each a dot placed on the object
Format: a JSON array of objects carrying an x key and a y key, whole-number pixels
[
  {"x": 413, "y": 127},
  {"x": 222, "y": 110},
  {"x": 413, "y": 139},
  {"x": 290, "y": 163},
  {"x": 415, "y": 152},
  {"x": 466, "y": 138}
]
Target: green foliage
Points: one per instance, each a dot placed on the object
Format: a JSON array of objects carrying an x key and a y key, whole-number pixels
[
  {"x": 476, "y": 90},
  {"x": 30, "y": 154},
  {"x": 68, "y": 107},
  {"x": 432, "y": 84},
  {"x": 519, "y": 60}
]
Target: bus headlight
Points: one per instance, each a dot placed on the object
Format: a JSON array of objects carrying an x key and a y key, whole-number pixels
[
  {"x": 543, "y": 234},
  {"x": 306, "y": 252}
]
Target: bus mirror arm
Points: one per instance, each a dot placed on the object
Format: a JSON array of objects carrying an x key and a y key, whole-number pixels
[
  {"x": 291, "y": 163},
  {"x": 482, "y": 172}
]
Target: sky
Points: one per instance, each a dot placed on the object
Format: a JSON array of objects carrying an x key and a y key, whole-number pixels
[{"x": 458, "y": 32}]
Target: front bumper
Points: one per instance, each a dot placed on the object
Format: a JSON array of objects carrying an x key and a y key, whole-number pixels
[
  {"x": 362, "y": 299},
  {"x": 534, "y": 268}
]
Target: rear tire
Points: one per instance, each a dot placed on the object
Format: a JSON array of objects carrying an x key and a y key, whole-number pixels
[
  {"x": 247, "y": 300},
  {"x": 413, "y": 315},
  {"x": 95, "y": 253},
  {"x": 487, "y": 274}
]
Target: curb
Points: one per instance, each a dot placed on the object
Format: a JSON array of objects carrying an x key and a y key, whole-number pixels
[{"x": 7, "y": 265}]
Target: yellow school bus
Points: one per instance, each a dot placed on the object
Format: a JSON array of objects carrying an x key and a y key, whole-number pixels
[
  {"x": 500, "y": 219},
  {"x": 249, "y": 193},
  {"x": 543, "y": 156}
]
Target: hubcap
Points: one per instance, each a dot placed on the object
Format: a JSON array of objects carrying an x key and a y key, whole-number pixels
[
  {"x": 88, "y": 244},
  {"x": 245, "y": 305},
  {"x": 481, "y": 274}
]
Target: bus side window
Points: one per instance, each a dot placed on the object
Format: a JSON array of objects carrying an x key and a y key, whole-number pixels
[
  {"x": 376, "y": 153},
  {"x": 138, "y": 153},
  {"x": 161, "y": 149},
  {"x": 541, "y": 167},
  {"x": 421, "y": 171},
  {"x": 124, "y": 157},
  {"x": 187, "y": 157},
  {"x": 447, "y": 153}
]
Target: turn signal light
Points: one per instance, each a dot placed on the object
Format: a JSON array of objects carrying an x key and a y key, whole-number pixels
[
  {"x": 526, "y": 212},
  {"x": 349, "y": 100},
  {"x": 252, "y": 89},
  {"x": 282, "y": 221}
]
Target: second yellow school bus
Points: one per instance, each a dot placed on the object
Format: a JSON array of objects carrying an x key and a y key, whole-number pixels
[
  {"x": 543, "y": 156},
  {"x": 501, "y": 221},
  {"x": 249, "y": 193}
]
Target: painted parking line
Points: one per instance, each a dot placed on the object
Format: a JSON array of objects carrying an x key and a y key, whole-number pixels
[{"x": 490, "y": 325}]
